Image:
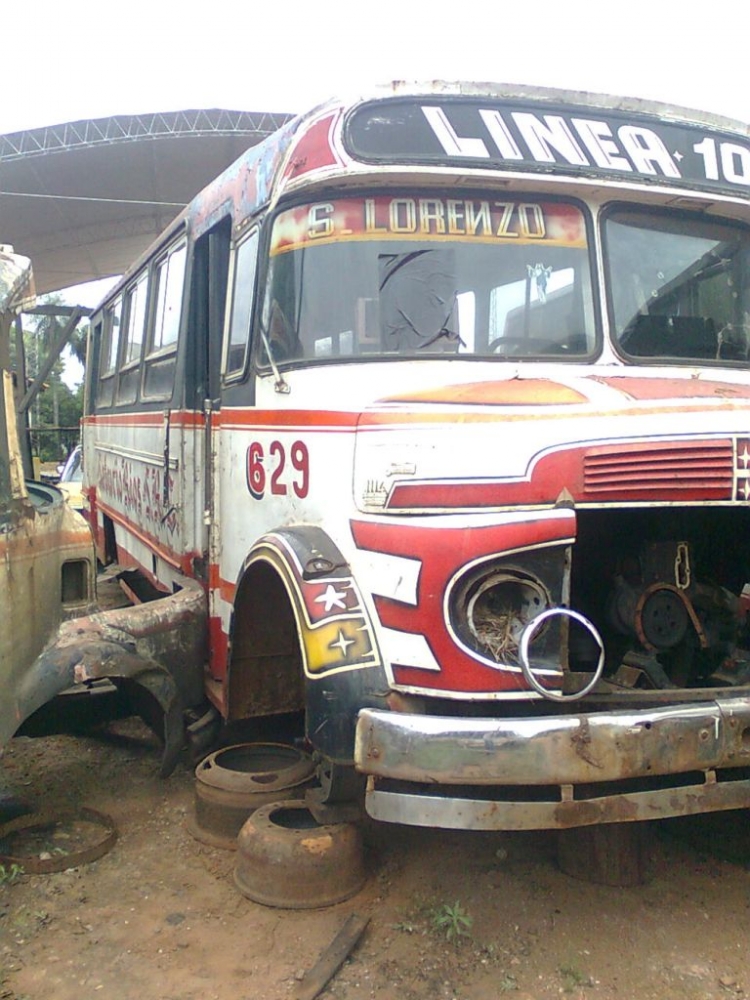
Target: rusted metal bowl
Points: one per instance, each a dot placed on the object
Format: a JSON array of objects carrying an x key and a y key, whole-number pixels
[
  {"x": 286, "y": 859},
  {"x": 231, "y": 783}
]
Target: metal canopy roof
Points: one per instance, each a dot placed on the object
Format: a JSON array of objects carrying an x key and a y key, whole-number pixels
[{"x": 83, "y": 199}]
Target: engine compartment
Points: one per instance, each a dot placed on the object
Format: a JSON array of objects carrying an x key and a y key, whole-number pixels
[{"x": 669, "y": 591}]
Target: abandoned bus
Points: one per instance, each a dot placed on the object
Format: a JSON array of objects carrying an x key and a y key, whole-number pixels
[{"x": 437, "y": 406}]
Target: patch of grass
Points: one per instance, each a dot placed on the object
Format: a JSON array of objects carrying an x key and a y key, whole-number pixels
[
  {"x": 507, "y": 984},
  {"x": 10, "y": 874},
  {"x": 452, "y": 921},
  {"x": 572, "y": 977}
]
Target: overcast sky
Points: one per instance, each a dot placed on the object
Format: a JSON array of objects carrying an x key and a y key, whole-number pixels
[{"x": 64, "y": 60}]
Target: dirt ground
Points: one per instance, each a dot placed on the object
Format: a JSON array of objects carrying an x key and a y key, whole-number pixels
[{"x": 159, "y": 915}]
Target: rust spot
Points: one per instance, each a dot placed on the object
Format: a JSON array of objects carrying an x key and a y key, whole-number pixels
[
  {"x": 318, "y": 845},
  {"x": 80, "y": 673},
  {"x": 581, "y": 741},
  {"x": 569, "y": 814}
]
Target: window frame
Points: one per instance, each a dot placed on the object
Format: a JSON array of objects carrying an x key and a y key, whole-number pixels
[
  {"x": 591, "y": 294},
  {"x": 659, "y": 212},
  {"x": 249, "y": 239},
  {"x": 166, "y": 257},
  {"x": 131, "y": 292},
  {"x": 106, "y": 354}
]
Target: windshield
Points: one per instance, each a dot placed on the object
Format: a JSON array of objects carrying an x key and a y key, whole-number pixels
[
  {"x": 415, "y": 277},
  {"x": 679, "y": 286}
]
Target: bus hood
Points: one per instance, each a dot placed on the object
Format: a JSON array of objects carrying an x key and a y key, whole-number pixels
[{"x": 574, "y": 439}]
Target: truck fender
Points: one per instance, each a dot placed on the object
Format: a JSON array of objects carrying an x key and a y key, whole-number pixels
[
  {"x": 146, "y": 645},
  {"x": 341, "y": 661}
]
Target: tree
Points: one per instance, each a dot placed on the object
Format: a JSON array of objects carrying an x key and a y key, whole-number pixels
[{"x": 57, "y": 406}]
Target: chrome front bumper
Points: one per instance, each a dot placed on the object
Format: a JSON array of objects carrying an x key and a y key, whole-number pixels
[{"x": 559, "y": 753}]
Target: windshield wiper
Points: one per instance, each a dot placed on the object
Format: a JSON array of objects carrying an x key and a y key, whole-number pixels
[{"x": 280, "y": 384}]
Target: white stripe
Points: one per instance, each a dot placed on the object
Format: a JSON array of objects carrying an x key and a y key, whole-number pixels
[
  {"x": 407, "y": 650},
  {"x": 391, "y": 576}
]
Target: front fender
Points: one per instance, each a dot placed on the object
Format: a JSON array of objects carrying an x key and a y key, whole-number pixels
[
  {"x": 158, "y": 646},
  {"x": 341, "y": 660}
]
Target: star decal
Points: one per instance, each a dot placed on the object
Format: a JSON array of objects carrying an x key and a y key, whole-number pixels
[
  {"x": 343, "y": 643},
  {"x": 332, "y": 598}
]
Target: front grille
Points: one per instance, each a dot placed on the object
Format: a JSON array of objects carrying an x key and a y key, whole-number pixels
[{"x": 705, "y": 468}]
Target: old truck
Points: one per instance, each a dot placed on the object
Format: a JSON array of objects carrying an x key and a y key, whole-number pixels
[{"x": 53, "y": 640}]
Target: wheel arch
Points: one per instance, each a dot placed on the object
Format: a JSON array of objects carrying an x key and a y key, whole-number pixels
[
  {"x": 301, "y": 638},
  {"x": 265, "y": 675}
]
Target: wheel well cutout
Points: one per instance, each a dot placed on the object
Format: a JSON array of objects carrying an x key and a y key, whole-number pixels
[{"x": 265, "y": 668}]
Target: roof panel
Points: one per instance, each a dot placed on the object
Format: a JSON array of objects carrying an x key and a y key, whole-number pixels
[{"x": 84, "y": 199}]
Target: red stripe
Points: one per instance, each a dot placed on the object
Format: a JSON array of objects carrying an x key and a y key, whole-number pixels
[
  {"x": 180, "y": 561},
  {"x": 248, "y": 417},
  {"x": 664, "y": 471},
  {"x": 177, "y": 418}
]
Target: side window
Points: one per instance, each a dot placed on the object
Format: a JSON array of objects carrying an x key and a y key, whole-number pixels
[
  {"x": 169, "y": 282},
  {"x": 136, "y": 320},
  {"x": 240, "y": 316},
  {"x": 161, "y": 352},
  {"x": 110, "y": 344},
  {"x": 112, "y": 323},
  {"x": 134, "y": 325},
  {"x": 209, "y": 277}
]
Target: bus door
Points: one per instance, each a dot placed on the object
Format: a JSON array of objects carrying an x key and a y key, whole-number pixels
[
  {"x": 232, "y": 411},
  {"x": 210, "y": 267}
]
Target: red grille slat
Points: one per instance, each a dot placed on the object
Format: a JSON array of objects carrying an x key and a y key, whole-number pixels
[{"x": 662, "y": 465}]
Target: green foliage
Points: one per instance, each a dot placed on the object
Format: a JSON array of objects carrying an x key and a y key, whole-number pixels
[
  {"x": 57, "y": 405},
  {"x": 507, "y": 983},
  {"x": 452, "y": 920},
  {"x": 10, "y": 874},
  {"x": 572, "y": 977}
]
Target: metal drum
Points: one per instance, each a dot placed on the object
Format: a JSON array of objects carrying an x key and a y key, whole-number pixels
[
  {"x": 287, "y": 859},
  {"x": 230, "y": 784}
]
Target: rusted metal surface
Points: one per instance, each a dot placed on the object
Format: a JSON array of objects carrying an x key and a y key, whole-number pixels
[
  {"x": 563, "y": 749},
  {"x": 629, "y": 807},
  {"x": 286, "y": 859},
  {"x": 231, "y": 783},
  {"x": 147, "y": 645},
  {"x": 40, "y": 543},
  {"x": 46, "y": 566},
  {"x": 35, "y": 865},
  {"x": 16, "y": 281}
]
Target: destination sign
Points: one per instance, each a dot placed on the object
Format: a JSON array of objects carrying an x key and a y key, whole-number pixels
[
  {"x": 430, "y": 217},
  {"x": 524, "y": 136}
]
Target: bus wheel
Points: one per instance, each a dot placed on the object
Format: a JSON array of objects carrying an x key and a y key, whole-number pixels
[{"x": 231, "y": 783}]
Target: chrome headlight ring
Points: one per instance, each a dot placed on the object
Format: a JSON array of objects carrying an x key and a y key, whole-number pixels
[{"x": 523, "y": 655}]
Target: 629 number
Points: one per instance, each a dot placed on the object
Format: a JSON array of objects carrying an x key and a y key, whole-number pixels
[{"x": 282, "y": 471}]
